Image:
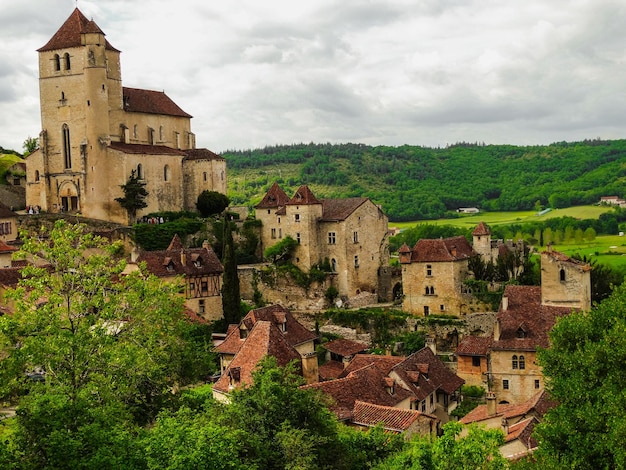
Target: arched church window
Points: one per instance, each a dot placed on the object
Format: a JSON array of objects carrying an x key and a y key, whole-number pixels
[
  {"x": 522, "y": 362},
  {"x": 57, "y": 62},
  {"x": 514, "y": 362},
  {"x": 67, "y": 151},
  {"x": 66, "y": 58},
  {"x": 562, "y": 275}
]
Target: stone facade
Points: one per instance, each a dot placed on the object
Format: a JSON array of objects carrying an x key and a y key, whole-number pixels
[
  {"x": 8, "y": 224},
  {"x": 95, "y": 132},
  {"x": 351, "y": 234}
]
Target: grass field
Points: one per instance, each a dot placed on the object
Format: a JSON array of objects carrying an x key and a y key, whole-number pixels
[
  {"x": 605, "y": 249},
  {"x": 6, "y": 161},
  {"x": 505, "y": 218}
]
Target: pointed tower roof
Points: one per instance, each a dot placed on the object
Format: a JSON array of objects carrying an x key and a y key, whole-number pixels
[
  {"x": 304, "y": 196},
  {"x": 274, "y": 198},
  {"x": 69, "y": 34},
  {"x": 481, "y": 230},
  {"x": 176, "y": 244}
]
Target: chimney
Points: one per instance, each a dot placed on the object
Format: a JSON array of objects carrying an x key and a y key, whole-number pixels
[
  {"x": 430, "y": 342},
  {"x": 491, "y": 404},
  {"x": 134, "y": 254},
  {"x": 505, "y": 303},
  {"x": 205, "y": 244},
  {"x": 505, "y": 426},
  {"x": 183, "y": 257}
]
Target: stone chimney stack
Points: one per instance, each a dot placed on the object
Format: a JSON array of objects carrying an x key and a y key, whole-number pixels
[
  {"x": 134, "y": 254},
  {"x": 505, "y": 303},
  {"x": 205, "y": 244},
  {"x": 432, "y": 345},
  {"x": 491, "y": 404},
  {"x": 183, "y": 257},
  {"x": 505, "y": 426}
]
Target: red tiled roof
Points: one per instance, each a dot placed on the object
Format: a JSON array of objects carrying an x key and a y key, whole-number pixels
[
  {"x": 392, "y": 419},
  {"x": 525, "y": 312},
  {"x": 202, "y": 154},
  {"x": 437, "y": 377},
  {"x": 142, "y": 149},
  {"x": 4, "y": 248},
  {"x": 158, "y": 262},
  {"x": 538, "y": 404},
  {"x": 523, "y": 431},
  {"x": 481, "y": 229},
  {"x": 69, "y": 34},
  {"x": 366, "y": 384},
  {"x": 265, "y": 339},
  {"x": 474, "y": 346},
  {"x": 443, "y": 249},
  {"x": 563, "y": 257},
  {"x": 274, "y": 198},
  {"x": 330, "y": 370},
  {"x": 5, "y": 212},
  {"x": 340, "y": 209},
  {"x": 137, "y": 100},
  {"x": 9, "y": 277},
  {"x": 303, "y": 196},
  {"x": 345, "y": 347},
  {"x": 382, "y": 363}
]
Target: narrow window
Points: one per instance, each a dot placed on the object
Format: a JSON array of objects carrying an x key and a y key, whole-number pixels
[
  {"x": 201, "y": 306},
  {"x": 332, "y": 238},
  {"x": 476, "y": 361},
  {"x": 161, "y": 139},
  {"x": 139, "y": 172},
  {"x": 537, "y": 385},
  {"x": 204, "y": 176},
  {"x": 355, "y": 237},
  {"x": 67, "y": 61},
  {"x": 57, "y": 62},
  {"x": 67, "y": 156},
  {"x": 562, "y": 275},
  {"x": 204, "y": 286},
  {"x": 280, "y": 233},
  {"x": 522, "y": 362},
  {"x": 426, "y": 310},
  {"x": 429, "y": 270},
  {"x": 356, "y": 261},
  {"x": 298, "y": 237},
  {"x": 150, "y": 136},
  {"x": 514, "y": 362},
  {"x": 505, "y": 384},
  {"x": 297, "y": 217},
  {"x": 36, "y": 176},
  {"x": 166, "y": 173},
  {"x": 442, "y": 308},
  {"x": 135, "y": 131},
  {"x": 177, "y": 140},
  {"x": 333, "y": 265},
  {"x": 273, "y": 233}
]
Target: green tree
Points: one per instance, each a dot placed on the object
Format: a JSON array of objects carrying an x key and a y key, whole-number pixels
[
  {"x": 110, "y": 347},
  {"x": 231, "y": 298},
  {"x": 590, "y": 234},
  {"x": 211, "y": 202},
  {"x": 30, "y": 145},
  {"x": 585, "y": 374},
  {"x": 282, "y": 251},
  {"x": 134, "y": 196}
]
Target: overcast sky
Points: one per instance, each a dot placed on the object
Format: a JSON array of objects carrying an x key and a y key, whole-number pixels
[{"x": 418, "y": 72}]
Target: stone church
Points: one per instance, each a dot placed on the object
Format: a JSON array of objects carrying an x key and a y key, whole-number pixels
[{"x": 96, "y": 132}]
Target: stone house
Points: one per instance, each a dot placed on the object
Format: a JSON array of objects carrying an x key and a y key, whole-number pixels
[
  {"x": 517, "y": 422},
  {"x": 267, "y": 331},
  {"x": 339, "y": 352},
  {"x": 523, "y": 323},
  {"x": 350, "y": 233},
  {"x": 199, "y": 268},
  {"x": 95, "y": 132},
  {"x": 433, "y": 275},
  {"x": 8, "y": 224}
]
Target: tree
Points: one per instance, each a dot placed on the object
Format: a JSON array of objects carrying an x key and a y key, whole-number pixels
[
  {"x": 282, "y": 251},
  {"x": 211, "y": 203},
  {"x": 110, "y": 347},
  {"x": 231, "y": 298},
  {"x": 134, "y": 196},
  {"x": 30, "y": 145},
  {"x": 585, "y": 371}
]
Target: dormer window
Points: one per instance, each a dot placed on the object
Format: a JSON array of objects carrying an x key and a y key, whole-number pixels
[
  {"x": 521, "y": 333},
  {"x": 283, "y": 326},
  {"x": 243, "y": 333}
]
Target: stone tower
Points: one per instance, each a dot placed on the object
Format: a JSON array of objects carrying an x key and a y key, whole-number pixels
[
  {"x": 482, "y": 241},
  {"x": 565, "y": 282},
  {"x": 302, "y": 213}
]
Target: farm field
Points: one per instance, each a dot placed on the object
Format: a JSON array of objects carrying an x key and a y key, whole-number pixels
[
  {"x": 504, "y": 218},
  {"x": 609, "y": 250}
]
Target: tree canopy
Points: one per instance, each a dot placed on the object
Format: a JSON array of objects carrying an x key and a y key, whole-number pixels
[
  {"x": 134, "y": 196},
  {"x": 211, "y": 203}
]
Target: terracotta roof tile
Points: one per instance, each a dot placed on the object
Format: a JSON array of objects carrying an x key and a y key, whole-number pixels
[
  {"x": 69, "y": 34},
  {"x": 481, "y": 229},
  {"x": 137, "y": 100},
  {"x": 392, "y": 419},
  {"x": 538, "y": 404},
  {"x": 330, "y": 370},
  {"x": 340, "y": 209},
  {"x": 442, "y": 249},
  {"x": 366, "y": 384},
  {"x": 265, "y": 339},
  {"x": 141, "y": 149},
  {"x": 202, "y": 154},
  {"x": 9, "y": 277},
  {"x": 474, "y": 346},
  {"x": 303, "y": 196},
  {"x": 4, "y": 248},
  {"x": 382, "y": 363},
  {"x": 274, "y": 198},
  {"x": 345, "y": 347},
  {"x": 563, "y": 257}
]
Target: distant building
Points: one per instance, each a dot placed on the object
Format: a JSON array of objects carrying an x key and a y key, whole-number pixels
[
  {"x": 468, "y": 210},
  {"x": 95, "y": 132},
  {"x": 8, "y": 224}
]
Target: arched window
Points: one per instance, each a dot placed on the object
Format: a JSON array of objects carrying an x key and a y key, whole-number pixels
[
  {"x": 57, "y": 62},
  {"x": 204, "y": 176},
  {"x": 161, "y": 133},
  {"x": 166, "y": 173},
  {"x": 36, "y": 176},
  {"x": 66, "y": 58},
  {"x": 562, "y": 275},
  {"x": 514, "y": 362},
  {"x": 522, "y": 362},
  {"x": 139, "y": 172},
  {"x": 67, "y": 152},
  {"x": 333, "y": 265}
]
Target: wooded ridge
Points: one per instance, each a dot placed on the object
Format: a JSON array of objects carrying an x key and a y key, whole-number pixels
[{"x": 412, "y": 182}]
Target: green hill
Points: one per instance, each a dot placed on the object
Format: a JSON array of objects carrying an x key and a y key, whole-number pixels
[
  {"x": 414, "y": 182},
  {"x": 6, "y": 161}
]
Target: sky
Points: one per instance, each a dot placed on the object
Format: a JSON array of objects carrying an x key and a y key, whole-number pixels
[{"x": 417, "y": 72}]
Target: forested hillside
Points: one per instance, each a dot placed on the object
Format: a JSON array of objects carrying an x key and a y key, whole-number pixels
[{"x": 424, "y": 183}]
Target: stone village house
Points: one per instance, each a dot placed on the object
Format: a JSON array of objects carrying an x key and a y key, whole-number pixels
[
  {"x": 350, "y": 233},
  {"x": 95, "y": 132},
  {"x": 506, "y": 362}
]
